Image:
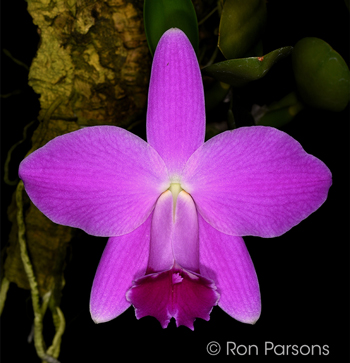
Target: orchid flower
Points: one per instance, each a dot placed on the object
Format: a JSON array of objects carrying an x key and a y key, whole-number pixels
[{"x": 175, "y": 208}]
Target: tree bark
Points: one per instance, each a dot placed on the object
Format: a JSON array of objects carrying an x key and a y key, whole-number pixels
[{"x": 92, "y": 68}]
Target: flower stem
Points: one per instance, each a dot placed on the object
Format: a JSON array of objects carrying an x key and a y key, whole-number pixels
[{"x": 60, "y": 325}]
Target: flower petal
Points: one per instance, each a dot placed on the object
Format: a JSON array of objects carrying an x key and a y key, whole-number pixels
[
  {"x": 225, "y": 259},
  {"x": 175, "y": 293},
  {"x": 255, "y": 181},
  {"x": 176, "y": 112},
  {"x": 124, "y": 259},
  {"x": 102, "y": 179}
]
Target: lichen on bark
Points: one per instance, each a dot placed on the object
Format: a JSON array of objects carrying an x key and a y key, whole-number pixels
[{"x": 94, "y": 55}]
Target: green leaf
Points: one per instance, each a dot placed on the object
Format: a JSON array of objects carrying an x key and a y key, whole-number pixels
[
  {"x": 278, "y": 113},
  {"x": 161, "y": 15},
  {"x": 238, "y": 72},
  {"x": 321, "y": 75},
  {"x": 241, "y": 25},
  {"x": 278, "y": 118}
]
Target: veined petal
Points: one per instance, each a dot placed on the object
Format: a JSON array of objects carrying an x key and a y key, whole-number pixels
[
  {"x": 255, "y": 181},
  {"x": 225, "y": 259},
  {"x": 124, "y": 259},
  {"x": 176, "y": 112},
  {"x": 102, "y": 179}
]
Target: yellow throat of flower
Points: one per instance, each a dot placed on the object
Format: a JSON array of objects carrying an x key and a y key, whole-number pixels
[{"x": 175, "y": 189}]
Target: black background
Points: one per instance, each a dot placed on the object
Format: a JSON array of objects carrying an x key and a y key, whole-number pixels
[{"x": 303, "y": 275}]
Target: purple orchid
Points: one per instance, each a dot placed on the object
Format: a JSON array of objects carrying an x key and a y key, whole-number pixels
[{"x": 175, "y": 208}]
